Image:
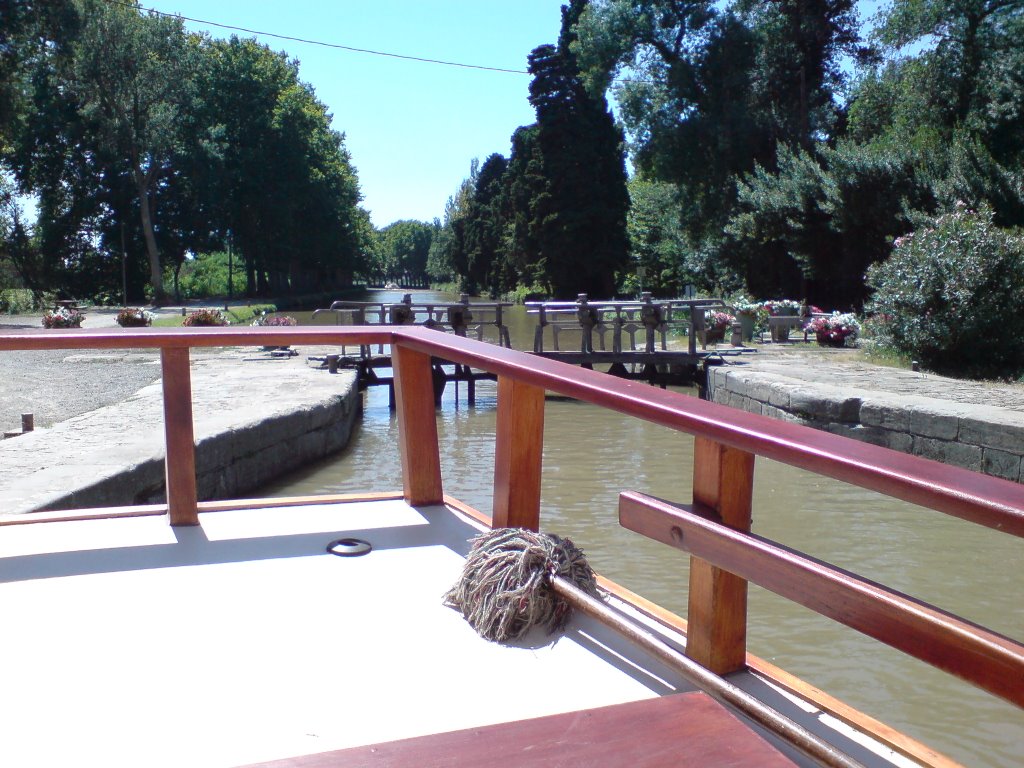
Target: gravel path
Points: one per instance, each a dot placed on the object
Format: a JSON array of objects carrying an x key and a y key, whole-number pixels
[{"x": 55, "y": 385}]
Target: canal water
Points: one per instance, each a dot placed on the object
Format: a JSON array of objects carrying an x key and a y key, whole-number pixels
[{"x": 591, "y": 454}]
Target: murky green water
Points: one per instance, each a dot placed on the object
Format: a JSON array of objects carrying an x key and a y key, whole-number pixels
[{"x": 591, "y": 454}]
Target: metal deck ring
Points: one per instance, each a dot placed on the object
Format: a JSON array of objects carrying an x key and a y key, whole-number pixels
[{"x": 349, "y": 547}]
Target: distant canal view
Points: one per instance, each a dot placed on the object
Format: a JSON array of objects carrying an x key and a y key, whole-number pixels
[{"x": 591, "y": 454}]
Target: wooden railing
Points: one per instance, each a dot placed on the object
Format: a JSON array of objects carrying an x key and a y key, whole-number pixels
[{"x": 727, "y": 442}]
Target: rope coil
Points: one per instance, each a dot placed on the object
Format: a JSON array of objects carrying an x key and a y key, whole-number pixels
[{"x": 505, "y": 591}]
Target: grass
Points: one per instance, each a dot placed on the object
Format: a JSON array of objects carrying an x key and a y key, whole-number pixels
[
  {"x": 242, "y": 314},
  {"x": 875, "y": 354}
]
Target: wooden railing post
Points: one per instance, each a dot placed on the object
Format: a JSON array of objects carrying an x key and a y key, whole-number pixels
[
  {"x": 518, "y": 450},
  {"x": 417, "y": 426},
  {"x": 723, "y": 480},
  {"x": 180, "y": 459}
]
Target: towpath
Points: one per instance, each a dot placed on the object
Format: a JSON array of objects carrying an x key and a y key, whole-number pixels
[
  {"x": 844, "y": 368},
  {"x": 98, "y": 418},
  {"x": 972, "y": 424}
]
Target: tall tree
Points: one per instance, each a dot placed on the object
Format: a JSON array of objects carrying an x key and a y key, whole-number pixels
[
  {"x": 966, "y": 74},
  {"x": 30, "y": 30},
  {"x": 711, "y": 92},
  {"x": 656, "y": 238},
  {"x": 133, "y": 77},
  {"x": 580, "y": 220},
  {"x": 403, "y": 248},
  {"x": 282, "y": 178}
]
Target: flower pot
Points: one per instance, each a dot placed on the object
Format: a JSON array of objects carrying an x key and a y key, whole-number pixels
[
  {"x": 714, "y": 335},
  {"x": 746, "y": 326}
]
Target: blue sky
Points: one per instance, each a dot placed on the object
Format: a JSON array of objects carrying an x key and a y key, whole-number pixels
[{"x": 412, "y": 128}]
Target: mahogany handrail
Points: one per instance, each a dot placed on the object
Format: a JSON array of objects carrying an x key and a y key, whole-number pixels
[
  {"x": 979, "y": 498},
  {"x": 989, "y": 660},
  {"x": 727, "y": 441}
]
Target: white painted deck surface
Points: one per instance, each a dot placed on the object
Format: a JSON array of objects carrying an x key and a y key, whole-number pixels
[{"x": 126, "y": 642}]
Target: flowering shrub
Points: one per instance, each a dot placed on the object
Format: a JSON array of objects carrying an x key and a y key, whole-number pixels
[
  {"x": 275, "y": 320},
  {"x": 951, "y": 295},
  {"x": 719, "y": 321},
  {"x": 782, "y": 307},
  {"x": 204, "y": 317},
  {"x": 835, "y": 329},
  {"x": 134, "y": 317},
  {"x": 63, "y": 318}
]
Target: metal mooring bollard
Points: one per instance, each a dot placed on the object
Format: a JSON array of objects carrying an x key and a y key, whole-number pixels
[{"x": 332, "y": 363}]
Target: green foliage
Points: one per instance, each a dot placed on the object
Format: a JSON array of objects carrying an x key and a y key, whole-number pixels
[
  {"x": 402, "y": 248},
  {"x": 829, "y": 215},
  {"x": 713, "y": 90},
  {"x": 571, "y": 232},
  {"x": 18, "y": 301},
  {"x": 552, "y": 215},
  {"x": 657, "y": 241},
  {"x": 951, "y": 294},
  {"x": 141, "y": 138},
  {"x": 281, "y": 180},
  {"x": 204, "y": 276},
  {"x": 524, "y": 293}
]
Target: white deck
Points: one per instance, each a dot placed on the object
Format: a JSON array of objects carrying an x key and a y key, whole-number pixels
[{"x": 128, "y": 642}]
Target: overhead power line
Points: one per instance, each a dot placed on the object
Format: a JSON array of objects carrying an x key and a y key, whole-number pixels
[
  {"x": 339, "y": 46},
  {"x": 321, "y": 43}
]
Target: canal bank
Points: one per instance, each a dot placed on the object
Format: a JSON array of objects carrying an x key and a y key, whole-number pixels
[
  {"x": 971, "y": 424},
  {"x": 257, "y": 417}
]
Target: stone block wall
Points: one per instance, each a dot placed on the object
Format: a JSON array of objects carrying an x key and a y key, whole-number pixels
[{"x": 982, "y": 438}]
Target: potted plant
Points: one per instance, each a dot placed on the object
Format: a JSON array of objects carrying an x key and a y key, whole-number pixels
[
  {"x": 746, "y": 313},
  {"x": 782, "y": 308},
  {"x": 835, "y": 330},
  {"x": 63, "y": 317},
  {"x": 204, "y": 317},
  {"x": 134, "y": 317},
  {"x": 717, "y": 324},
  {"x": 275, "y": 321}
]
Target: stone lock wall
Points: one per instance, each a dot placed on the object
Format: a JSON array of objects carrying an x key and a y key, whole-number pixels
[{"x": 982, "y": 438}]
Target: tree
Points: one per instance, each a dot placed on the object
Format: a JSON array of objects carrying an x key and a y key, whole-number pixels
[
  {"x": 282, "y": 179},
  {"x": 448, "y": 257},
  {"x": 830, "y": 213},
  {"x": 579, "y": 221},
  {"x": 403, "y": 248},
  {"x": 710, "y": 93},
  {"x": 132, "y": 77},
  {"x": 30, "y": 30},
  {"x": 656, "y": 239},
  {"x": 969, "y": 36},
  {"x": 525, "y": 192}
]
